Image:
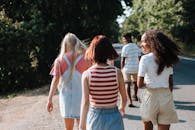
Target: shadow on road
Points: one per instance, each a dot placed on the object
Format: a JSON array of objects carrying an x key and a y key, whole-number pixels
[
  {"x": 182, "y": 121},
  {"x": 183, "y": 105},
  {"x": 132, "y": 117}
]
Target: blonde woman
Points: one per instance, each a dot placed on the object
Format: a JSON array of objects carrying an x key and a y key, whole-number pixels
[{"x": 67, "y": 70}]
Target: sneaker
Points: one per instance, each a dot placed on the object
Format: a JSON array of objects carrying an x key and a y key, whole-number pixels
[{"x": 131, "y": 105}]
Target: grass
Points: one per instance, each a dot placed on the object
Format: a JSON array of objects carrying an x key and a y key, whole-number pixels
[
  {"x": 188, "y": 50},
  {"x": 30, "y": 92}
]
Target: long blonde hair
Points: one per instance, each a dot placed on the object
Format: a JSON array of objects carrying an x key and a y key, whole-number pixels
[{"x": 71, "y": 43}]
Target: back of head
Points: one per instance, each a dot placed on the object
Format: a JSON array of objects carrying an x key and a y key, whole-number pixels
[
  {"x": 71, "y": 43},
  {"x": 127, "y": 36},
  {"x": 100, "y": 50},
  {"x": 164, "y": 49}
]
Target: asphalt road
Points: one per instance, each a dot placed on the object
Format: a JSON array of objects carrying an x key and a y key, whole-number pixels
[
  {"x": 184, "y": 98},
  {"x": 184, "y": 71},
  {"x": 28, "y": 110}
]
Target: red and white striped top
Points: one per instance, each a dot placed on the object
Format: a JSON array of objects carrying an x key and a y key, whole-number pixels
[{"x": 103, "y": 86}]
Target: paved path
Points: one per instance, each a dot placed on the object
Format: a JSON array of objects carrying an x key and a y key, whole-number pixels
[{"x": 28, "y": 111}]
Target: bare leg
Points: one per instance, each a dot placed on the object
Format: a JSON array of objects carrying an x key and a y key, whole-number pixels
[
  {"x": 128, "y": 91},
  {"x": 69, "y": 123},
  {"x": 148, "y": 125},
  {"x": 135, "y": 90},
  {"x": 78, "y": 120},
  {"x": 163, "y": 127}
]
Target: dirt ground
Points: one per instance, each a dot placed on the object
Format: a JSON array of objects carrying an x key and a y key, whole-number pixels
[{"x": 27, "y": 111}]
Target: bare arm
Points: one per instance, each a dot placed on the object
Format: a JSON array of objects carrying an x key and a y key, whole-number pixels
[
  {"x": 171, "y": 83},
  {"x": 122, "y": 93},
  {"x": 85, "y": 101},
  {"x": 139, "y": 57},
  {"x": 53, "y": 87},
  {"x": 122, "y": 62},
  {"x": 140, "y": 82}
]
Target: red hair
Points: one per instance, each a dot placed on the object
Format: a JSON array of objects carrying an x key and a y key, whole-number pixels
[{"x": 100, "y": 50}]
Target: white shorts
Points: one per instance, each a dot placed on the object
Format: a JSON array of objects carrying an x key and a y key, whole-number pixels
[{"x": 158, "y": 107}]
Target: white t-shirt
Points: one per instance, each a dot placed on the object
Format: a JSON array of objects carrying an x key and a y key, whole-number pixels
[
  {"x": 148, "y": 69},
  {"x": 131, "y": 52}
]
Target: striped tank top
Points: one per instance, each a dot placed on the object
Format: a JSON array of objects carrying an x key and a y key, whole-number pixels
[{"x": 103, "y": 86}]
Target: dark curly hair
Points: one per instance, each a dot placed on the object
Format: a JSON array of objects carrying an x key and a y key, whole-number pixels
[{"x": 164, "y": 49}]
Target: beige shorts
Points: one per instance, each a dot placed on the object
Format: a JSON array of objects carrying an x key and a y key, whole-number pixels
[
  {"x": 128, "y": 77},
  {"x": 157, "y": 106}
]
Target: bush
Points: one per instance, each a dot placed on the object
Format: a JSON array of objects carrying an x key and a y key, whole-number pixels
[{"x": 20, "y": 54}]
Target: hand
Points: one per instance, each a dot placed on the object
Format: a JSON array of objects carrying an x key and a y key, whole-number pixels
[
  {"x": 122, "y": 111},
  {"x": 82, "y": 129},
  {"x": 49, "y": 106}
]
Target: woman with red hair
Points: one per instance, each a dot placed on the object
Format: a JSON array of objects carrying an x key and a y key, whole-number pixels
[{"x": 101, "y": 84}]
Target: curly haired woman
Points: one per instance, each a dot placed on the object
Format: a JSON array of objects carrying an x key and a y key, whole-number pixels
[{"x": 156, "y": 74}]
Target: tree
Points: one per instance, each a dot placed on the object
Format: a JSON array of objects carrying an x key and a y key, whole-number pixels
[
  {"x": 165, "y": 15},
  {"x": 186, "y": 31},
  {"x": 37, "y": 28}
]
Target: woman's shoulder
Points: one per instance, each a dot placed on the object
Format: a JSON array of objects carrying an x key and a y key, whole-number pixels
[
  {"x": 82, "y": 64},
  {"x": 59, "y": 60},
  {"x": 125, "y": 46},
  {"x": 147, "y": 56},
  {"x": 86, "y": 73}
]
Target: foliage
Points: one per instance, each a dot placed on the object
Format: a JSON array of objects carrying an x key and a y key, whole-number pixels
[
  {"x": 18, "y": 52},
  {"x": 175, "y": 17},
  {"x": 31, "y": 31},
  {"x": 186, "y": 32}
]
